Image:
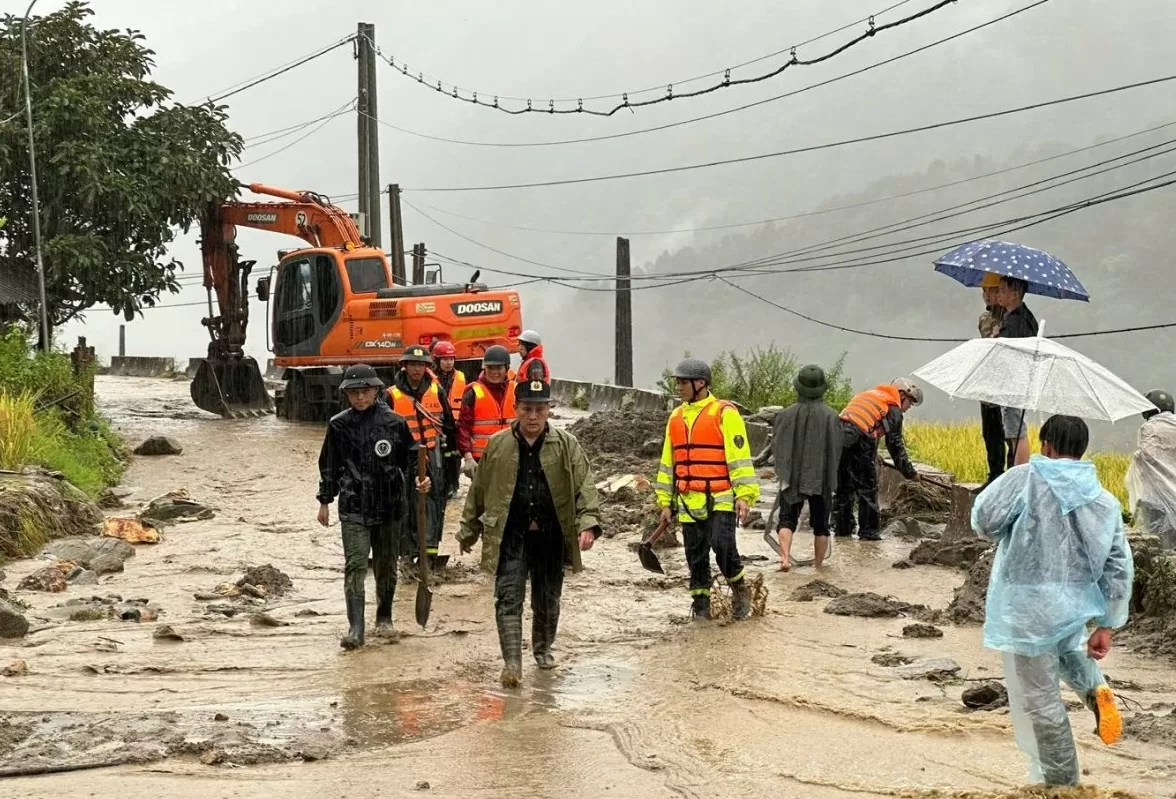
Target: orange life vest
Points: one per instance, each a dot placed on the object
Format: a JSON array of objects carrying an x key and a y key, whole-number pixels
[
  {"x": 489, "y": 416},
  {"x": 402, "y": 404},
  {"x": 457, "y": 390},
  {"x": 536, "y": 357},
  {"x": 867, "y": 410},
  {"x": 700, "y": 456}
]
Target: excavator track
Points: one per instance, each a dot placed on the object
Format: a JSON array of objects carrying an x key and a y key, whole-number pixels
[{"x": 231, "y": 388}]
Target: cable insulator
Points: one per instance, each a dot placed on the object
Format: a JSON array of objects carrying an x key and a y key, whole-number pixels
[
  {"x": 670, "y": 92},
  {"x": 625, "y": 98},
  {"x": 551, "y": 106},
  {"x": 475, "y": 97},
  {"x": 793, "y": 55},
  {"x": 871, "y": 30},
  {"x": 580, "y": 104},
  {"x": 528, "y": 105},
  {"x": 496, "y": 101},
  {"x": 727, "y": 78},
  {"x": 455, "y": 91}
]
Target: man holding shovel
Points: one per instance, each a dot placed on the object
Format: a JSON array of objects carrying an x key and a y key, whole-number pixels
[
  {"x": 533, "y": 503},
  {"x": 806, "y": 445}
]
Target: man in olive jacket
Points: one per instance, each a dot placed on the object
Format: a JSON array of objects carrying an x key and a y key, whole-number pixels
[{"x": 533, "y": 503}]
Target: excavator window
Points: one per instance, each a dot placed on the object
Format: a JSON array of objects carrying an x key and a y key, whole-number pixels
[
  {"x": 366, "y": 275},
  {"x": 326, "y": 288},
  {"x": 293, "y": 312}
]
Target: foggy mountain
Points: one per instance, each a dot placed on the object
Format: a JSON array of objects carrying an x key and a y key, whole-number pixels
[{"x": 524, "y": 48}]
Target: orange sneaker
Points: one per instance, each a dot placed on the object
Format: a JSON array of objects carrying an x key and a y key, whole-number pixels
[{"x": 1109, "y": 724}]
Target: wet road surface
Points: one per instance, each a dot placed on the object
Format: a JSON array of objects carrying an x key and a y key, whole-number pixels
[{"x": 642, "y": 704}]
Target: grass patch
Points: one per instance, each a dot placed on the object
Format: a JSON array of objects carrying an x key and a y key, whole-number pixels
[
  {"x": 958, "y": 448},
  {"x": 88, "y": 459},
  {"x": 18, "y": 428}
]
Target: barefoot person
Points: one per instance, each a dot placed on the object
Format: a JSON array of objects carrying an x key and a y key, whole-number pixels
[
  {"x": 806, "y": 446},
  {"x": 533, "y": 503},
  {"x": 1062, "y": 561},
  {"x": 367, "y": 455}
]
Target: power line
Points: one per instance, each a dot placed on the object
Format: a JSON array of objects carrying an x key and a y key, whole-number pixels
[
  {"x": 273, "y": 73},
  {"x": 281, "y": 133},
  {"x": 813, "y": 147},
  {"x": 717, "y": 114},
  {"x": 626, "y": 104},
  {"x": 805, "y": 214},
  {"x": 300, "y": 139}
]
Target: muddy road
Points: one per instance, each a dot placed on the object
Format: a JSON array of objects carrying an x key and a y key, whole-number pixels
[{"x": 796, "y": 703}]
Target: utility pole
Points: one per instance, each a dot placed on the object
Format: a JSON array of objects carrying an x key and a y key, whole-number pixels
[
  {"x": 418, "y": 264},
  {"x": 46, "y": 342},
  {"x": 375, "y": 189},
  {"x": 396, "y": 234},
  {"x": 624, "y": 317},
  {"x": 361, "y": 114}
]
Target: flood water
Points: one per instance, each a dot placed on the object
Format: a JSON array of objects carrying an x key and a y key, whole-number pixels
[{"x": 641, "y": 705}]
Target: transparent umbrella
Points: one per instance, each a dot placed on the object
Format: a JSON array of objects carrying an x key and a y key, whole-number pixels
[{"x": 1034, "y": 374}]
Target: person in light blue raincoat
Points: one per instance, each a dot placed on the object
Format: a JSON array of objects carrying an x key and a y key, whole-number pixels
[{"x": 1062, "y": 562}]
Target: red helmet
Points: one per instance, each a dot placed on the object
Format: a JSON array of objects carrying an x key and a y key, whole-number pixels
[{"x": 444, "y": 349}]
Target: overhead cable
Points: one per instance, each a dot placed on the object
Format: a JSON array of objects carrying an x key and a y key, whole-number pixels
[
  {"x": 717, "y": 114},
  {"x": 813, "y": 147},
  {"x": 297, "y": 141},
  {"x": 471, "y": 96},
  {"x": 273, "y": 73}
]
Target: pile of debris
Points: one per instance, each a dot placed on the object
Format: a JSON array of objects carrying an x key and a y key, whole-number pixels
[
  {"x": 619, "y": 442},
  {"x": 627, "y": 504}
]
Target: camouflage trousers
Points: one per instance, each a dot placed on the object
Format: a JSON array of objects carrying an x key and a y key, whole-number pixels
[{"x": 360, "y": 539}]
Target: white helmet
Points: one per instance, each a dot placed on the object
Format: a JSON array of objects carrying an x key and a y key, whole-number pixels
[
  {"x": 530, "y": 337},
  {"x": 909, "y": 388}
]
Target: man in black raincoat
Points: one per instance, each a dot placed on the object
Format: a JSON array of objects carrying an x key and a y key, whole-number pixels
[
  {"x": 367, "y": 457},
  {"x": 806, "y": 446}
]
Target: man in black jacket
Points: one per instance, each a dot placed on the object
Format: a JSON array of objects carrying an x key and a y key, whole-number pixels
[
  {"x": 367, "y": 455},
  {"x": 1018, "y": 322}
]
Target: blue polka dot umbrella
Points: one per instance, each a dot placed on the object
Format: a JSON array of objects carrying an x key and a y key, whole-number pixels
[{"x": 1045, "y": 274}]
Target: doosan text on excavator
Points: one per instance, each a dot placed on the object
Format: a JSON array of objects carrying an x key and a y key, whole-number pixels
[{"x": 329, "y": 305}]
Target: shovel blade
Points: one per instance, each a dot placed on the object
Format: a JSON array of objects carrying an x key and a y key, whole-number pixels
[
  {"x": 649, "y": 560},
  {"x": 424, "y": 601}
]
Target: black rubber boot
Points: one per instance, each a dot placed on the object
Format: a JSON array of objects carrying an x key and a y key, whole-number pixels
[
  {"x": 510, "y": 638},
  {"x": 543, "y": 629},
  {"x": 700, "y": 609},
  {"x": 354, "y": 637},
  {"x": 740, "y": 600},
  {"x": 384, "y": 594}
]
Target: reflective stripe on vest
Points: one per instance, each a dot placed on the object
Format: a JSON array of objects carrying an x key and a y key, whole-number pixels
[
  {"x": 403, "y": 404},
  {"x": 867, "y": 410},
  {"x": 457, "y": 390},
  {"x": 700, "y": 454},
  {"x": 490, "y": 417}
]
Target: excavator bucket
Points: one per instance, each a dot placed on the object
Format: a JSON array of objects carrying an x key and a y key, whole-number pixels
[{"x": 232, "y": 388}]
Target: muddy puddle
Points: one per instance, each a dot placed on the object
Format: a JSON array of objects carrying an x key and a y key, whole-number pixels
[{"x": 251, "y": 696}]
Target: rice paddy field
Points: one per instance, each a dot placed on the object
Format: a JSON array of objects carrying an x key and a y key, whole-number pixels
[{"x": 958, "y": 448}]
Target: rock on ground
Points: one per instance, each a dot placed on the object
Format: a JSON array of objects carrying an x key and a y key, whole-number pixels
[
  {"x": 99, "y": 555},
  {"x": 35, "y": 508},
  {"x": 13, "y": 624},
  {"x": 175, "y": 507},
  {"x": 932, "y": 669},
  {"x": 905, "y": 530},
  {"x": 959, "y": 552},
  {"x": 921, "y": 631},
  {"x": 811, "y": 590},
  {"x": 967, "y": 606},
  {"x": 159, "y": 445},
  {"x": 870, "y": 605},
  {"x": 985, "y": 696},
  {"x": 1152, "y": 728},
  {"x": 271, "y": 579}
]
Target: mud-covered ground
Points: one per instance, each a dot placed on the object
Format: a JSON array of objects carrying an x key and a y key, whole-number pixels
[{"x": 256, "y": 698}]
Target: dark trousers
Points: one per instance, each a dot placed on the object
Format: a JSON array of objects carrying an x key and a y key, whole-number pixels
[
  {"x": 435, "y": 502},
  {"x": 538, "y": 554},
  {"x": 716, "y": 533},
  {"x": 857, "y": 478},
  {"x": 452, "y": 464},
  {"x": 992, "y": 428},
  {"x": 380, "y": 540}
]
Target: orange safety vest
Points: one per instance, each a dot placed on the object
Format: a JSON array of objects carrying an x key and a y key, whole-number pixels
[
  {"x": 490, "y": 417},
  {"x": 700, "y": 454},
  {"x": 525, "y": 368},
  {"x": 457, "y": 390},
  {"x": 402, "y": 404},
  {"x": 867, "y": 410}
]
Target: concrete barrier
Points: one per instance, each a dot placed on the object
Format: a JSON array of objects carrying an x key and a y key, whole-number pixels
[
  {"x": 605, "y": 397},
  {"x": 137, "y": 366}
]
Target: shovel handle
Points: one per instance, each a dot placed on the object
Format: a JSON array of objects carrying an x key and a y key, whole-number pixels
[
  {"x": 662, "y": 526},
  {"x": 922, "y": 477}
]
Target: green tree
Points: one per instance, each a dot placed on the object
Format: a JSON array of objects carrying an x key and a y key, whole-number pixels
[
  {"x": 120, "y": 168},
  {"x": 762, "y": 377}
]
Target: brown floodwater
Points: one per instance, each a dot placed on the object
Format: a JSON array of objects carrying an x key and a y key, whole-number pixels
[{"x": 643, "y": 704}]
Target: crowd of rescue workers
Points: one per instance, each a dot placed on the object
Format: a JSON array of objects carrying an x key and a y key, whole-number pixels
[{"x": 533, "y": 505}]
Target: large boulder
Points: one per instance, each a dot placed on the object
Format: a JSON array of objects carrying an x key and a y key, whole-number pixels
[
  {"x": 99, "y": 555},
  {"x": 13, "y": 624},
  {"x": 160, "y": 445}
]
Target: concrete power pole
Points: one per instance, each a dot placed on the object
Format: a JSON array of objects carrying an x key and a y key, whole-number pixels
[
  {"x": 624, "y": 317},
  {"x": 418, "y": 264},
  {"x": 396, "y": 234},
  {"x": 367, "y": 110}
]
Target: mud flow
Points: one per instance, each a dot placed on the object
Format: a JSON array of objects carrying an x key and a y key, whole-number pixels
[{"x": 208, "y": 663}]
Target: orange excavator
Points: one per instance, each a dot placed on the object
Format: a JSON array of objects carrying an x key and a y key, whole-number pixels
[{"x": 330, "y": 305}]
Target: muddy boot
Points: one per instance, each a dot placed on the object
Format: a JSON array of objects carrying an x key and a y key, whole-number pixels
[
  {"x": 510, "y": 638},
  {"x": 384, "y": 595},
  {"x": 354, "y": 637},
  {"x": 700, "y": 609},
  {"x": 542, "y": 637},
  {"x": 1108, "y": 724},
  {"x": 740, "y": 600}
]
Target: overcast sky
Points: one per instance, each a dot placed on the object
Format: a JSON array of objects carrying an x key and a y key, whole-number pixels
[{"x": 538, "y": 49}]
